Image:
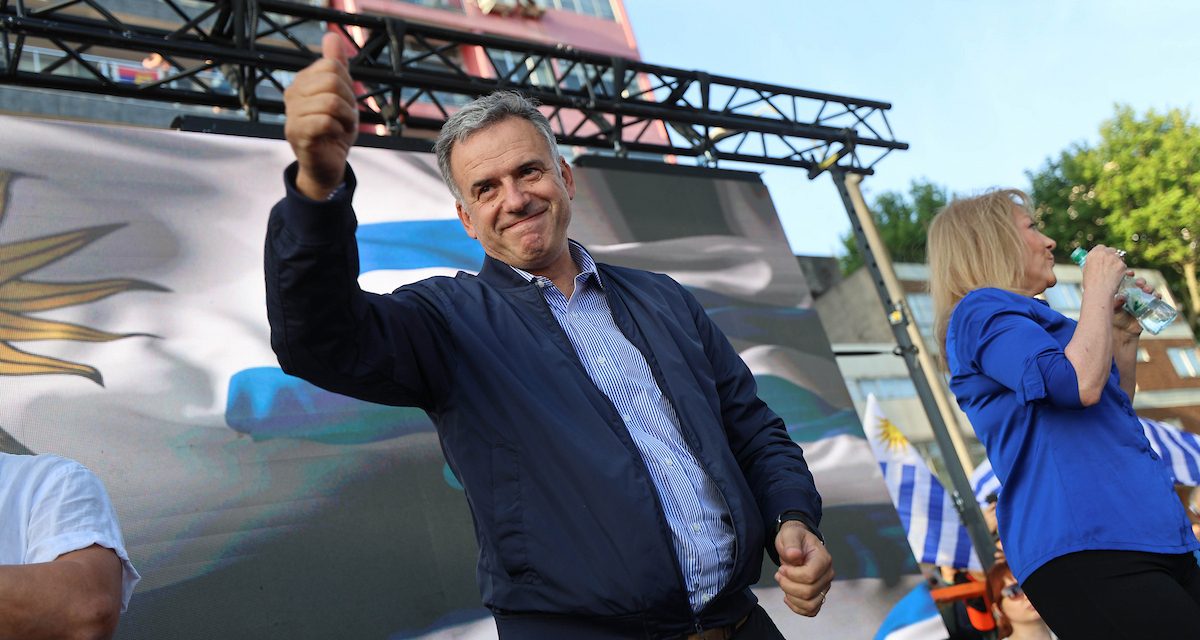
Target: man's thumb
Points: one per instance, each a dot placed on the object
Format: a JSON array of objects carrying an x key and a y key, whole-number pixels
[{"x": 331, "y": 48}]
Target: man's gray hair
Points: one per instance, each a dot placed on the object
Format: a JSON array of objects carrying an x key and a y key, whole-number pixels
[{"x": 484, "y": 112}]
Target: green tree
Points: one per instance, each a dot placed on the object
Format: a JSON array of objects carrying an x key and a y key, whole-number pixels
[
  {"x": 1065, "y": 205},
  {"x": 902, "y": 220},
  {"x": 1138, "y": 189}
]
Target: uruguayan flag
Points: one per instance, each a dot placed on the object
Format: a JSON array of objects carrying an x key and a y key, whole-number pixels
[
  {"x": 915, "y": 617},
  {"x": 1179, "y": 450},
  {"x": 927, "y": 512},
  {"x": 984, "y": 482}
]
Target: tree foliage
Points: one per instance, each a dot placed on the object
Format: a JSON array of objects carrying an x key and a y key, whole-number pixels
[
  {"x": 902, "y": 220},
  {"x": 1138, "y": 189}
]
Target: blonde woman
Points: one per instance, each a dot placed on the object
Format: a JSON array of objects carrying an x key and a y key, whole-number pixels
[{"x": 1092, "y": 527}]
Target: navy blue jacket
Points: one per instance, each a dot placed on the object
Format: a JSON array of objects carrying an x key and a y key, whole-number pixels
[{"x": 569, "y": 524}]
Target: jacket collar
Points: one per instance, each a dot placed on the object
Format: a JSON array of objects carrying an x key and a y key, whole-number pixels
[{"x": 499, "y": 274}]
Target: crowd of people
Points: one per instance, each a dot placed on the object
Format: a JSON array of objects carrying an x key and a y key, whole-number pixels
[{"x": 554, "y": 380}]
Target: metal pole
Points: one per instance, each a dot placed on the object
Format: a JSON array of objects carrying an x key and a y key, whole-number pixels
[{"x": 921, "y": 368}]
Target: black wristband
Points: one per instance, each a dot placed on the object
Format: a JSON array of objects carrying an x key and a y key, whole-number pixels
[{"x": 802, "y": 518}]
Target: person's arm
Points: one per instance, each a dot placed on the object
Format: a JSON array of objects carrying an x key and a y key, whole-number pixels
[
  {"x": 389, "y": 349},
  {"x": 76, "y": 595},
  {"x": 1000, "y": 334},
  {"x": 1090, "y": 350},
  {"x": 1125, "y": 348},
  {"x": 1127, "y": 332},
  {"x": 771, "y": 462},
  {"x": 776, "y": 471},
  {"x": 321, "y": 120},
  {"x": 324, "y": 328}
]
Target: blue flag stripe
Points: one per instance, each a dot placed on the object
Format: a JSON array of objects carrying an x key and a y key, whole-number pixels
[
  {"x": 906, "y": 498},
  {"x": 933, "y": 535},
  {"x": 963, "y": 548}
]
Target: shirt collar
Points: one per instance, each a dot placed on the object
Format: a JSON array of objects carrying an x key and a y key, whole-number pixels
[{"x": 583, "y": 260}]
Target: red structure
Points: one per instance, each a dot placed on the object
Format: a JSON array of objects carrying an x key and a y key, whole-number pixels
[
  {"x": 595, "y": 26},
  {"x": 599, "y": 26}
]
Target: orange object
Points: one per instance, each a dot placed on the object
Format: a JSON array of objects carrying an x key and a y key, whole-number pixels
[{"x": 958, "y": 592}]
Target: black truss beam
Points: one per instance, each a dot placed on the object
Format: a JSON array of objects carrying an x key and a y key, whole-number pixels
[{"x": 240, "y": 54}]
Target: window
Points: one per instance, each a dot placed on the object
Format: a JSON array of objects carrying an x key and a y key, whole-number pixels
[
  {"x": 1065, "y": 296},
  {"x": 886, "y": 388},
  {"x": 596, "y": 8},
  {"x": 921, "y": 306},
  {"x": 1186, "y": 362},
  {"x": 1143, "y": 355},
  {"x": 536, "y": 69},
  {"x": 583, "y": 75}
]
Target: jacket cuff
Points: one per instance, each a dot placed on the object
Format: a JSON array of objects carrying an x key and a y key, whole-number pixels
[
  {"x": 776, "y": 523},
  {"x": 802, "y": 518},
  {"x": 315, "y": 222}
]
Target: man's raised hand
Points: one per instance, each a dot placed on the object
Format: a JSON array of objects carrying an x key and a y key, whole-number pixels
[{"x": 322, "y": 120}]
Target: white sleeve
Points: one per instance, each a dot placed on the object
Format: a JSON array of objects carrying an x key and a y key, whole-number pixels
[{"x": 72, "y": 512}]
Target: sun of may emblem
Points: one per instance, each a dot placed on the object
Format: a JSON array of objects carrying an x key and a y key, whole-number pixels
[
  {"x": 21, "y": 296},
  {"x": 890, "y": 436}
]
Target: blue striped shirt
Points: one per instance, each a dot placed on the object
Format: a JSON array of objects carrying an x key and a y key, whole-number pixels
[{"x": 702, "y": 532}]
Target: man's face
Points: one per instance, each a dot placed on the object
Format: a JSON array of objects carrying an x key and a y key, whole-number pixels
[{"x": 515, "y": 200}]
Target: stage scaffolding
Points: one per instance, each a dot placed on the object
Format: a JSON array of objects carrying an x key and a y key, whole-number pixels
[{"x": 239, "y": 55}]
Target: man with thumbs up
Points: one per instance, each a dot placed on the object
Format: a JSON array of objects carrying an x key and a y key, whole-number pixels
[{"x": 623, "y": 475}]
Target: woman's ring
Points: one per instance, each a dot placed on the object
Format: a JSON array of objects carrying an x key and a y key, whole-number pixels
[{"x": 1120, "y": 253}]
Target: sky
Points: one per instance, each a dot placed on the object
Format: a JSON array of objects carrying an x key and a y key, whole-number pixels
[{"x": 982, "y": 90}]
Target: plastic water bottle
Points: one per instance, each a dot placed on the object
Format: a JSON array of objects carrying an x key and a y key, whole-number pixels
[{"x": 1151, "y": 311}]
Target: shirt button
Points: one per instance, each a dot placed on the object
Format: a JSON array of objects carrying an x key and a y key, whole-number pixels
[
  {"x": 600, "y": 360},
  {"x": 669, "y": 462},
  {"x": 706, "y": 597},
  {"x": 626, "y": 417},
  {"x": 696, "y": 527}
]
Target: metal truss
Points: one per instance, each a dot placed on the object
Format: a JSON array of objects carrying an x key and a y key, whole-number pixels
[{"x": 240, "y": 55}]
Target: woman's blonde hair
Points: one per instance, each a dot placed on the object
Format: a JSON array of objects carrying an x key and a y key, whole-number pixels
[{"x": 973, "y": 243}]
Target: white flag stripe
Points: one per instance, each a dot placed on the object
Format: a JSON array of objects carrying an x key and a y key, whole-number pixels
[
  {"x": 928, "y": 629},
  {"x": 984, "y": 481},
  {"x": 1180, "y": 450},
  {"x": 931, "y": 523}
]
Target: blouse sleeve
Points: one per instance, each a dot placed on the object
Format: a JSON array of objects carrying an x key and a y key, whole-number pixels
[{"x": 1007, "y": 344}]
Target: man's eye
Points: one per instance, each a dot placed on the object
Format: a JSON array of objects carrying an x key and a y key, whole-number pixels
[{"x": 531, "y": 172}]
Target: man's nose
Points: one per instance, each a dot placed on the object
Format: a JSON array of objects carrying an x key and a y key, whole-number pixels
[{"x": 515, "y": 197}]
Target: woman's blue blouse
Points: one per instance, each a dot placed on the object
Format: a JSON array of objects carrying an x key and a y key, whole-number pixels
[{"x": 1074, "y": 478}]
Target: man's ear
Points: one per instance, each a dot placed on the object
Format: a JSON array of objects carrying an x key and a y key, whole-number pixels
[
  {"x": 465, "y": 219},
  {"x": 567, "y": 176}
]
